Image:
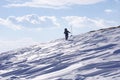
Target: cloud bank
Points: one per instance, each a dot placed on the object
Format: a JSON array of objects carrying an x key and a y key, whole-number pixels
[
  {"x": 85, "y": 22},
  {"x": 33, "y": 21},
  {"x": 56, "y": 4},
  {"x": 8, "y": 23}
]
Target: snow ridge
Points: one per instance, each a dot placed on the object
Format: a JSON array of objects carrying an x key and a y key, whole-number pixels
[{"x": 91, "y": 56}]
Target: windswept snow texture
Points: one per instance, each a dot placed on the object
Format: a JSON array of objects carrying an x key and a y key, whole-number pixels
[{"x": 91, "y": 56}]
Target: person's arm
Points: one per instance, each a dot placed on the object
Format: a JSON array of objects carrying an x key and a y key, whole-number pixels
[{"x": 69, "y": 32}]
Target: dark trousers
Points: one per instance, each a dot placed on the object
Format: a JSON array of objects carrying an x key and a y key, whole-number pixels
[{"x": 66, "y": 36}]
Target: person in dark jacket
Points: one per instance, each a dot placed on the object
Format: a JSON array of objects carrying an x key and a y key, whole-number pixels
[{"x": 66, "y": 32}]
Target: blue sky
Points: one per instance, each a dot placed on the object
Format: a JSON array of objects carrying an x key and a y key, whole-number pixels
[{"x": 27, "y": 22}]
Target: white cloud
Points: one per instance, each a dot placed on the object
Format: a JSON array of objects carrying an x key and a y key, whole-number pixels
[
  {"x": 13, "y": 1},
  {"x": 108, "y": 11},
  {"x": 53, "y": 3},
  {"x": 31, "y": 21},
  {"x": 9, "y": 24},
  {"x": 35, "y": 21},
  {"x": 85, "y": 22},
  {"x": 6, "y": 45}
]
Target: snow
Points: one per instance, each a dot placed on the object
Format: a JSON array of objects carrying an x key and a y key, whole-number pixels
[
  {"x": 91, "y": 56},
  {"x": 60, "y": 72}
]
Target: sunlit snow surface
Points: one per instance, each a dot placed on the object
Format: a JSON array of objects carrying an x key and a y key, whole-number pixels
[{"x": 91, "y": 56}]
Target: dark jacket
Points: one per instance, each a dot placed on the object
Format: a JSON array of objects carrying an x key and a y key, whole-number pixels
[{"x": 66, "y": 32}]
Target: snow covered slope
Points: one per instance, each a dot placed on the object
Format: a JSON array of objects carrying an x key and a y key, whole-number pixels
[{"x": 91, "y": 56}]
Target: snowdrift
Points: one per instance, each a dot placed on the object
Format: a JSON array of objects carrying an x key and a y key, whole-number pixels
[{"x": 91, "y": 56}]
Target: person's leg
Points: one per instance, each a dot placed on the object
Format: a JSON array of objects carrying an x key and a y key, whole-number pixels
[{"x": 66, "y": 37}]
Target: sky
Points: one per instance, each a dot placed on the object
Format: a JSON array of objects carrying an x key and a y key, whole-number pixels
[{"x": 28, "y": 22}]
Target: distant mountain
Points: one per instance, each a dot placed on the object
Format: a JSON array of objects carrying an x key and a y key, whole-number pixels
[{"x": 91, "y": 56}]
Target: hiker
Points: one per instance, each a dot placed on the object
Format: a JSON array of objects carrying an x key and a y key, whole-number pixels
[{"x": 66, "y": 32}]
